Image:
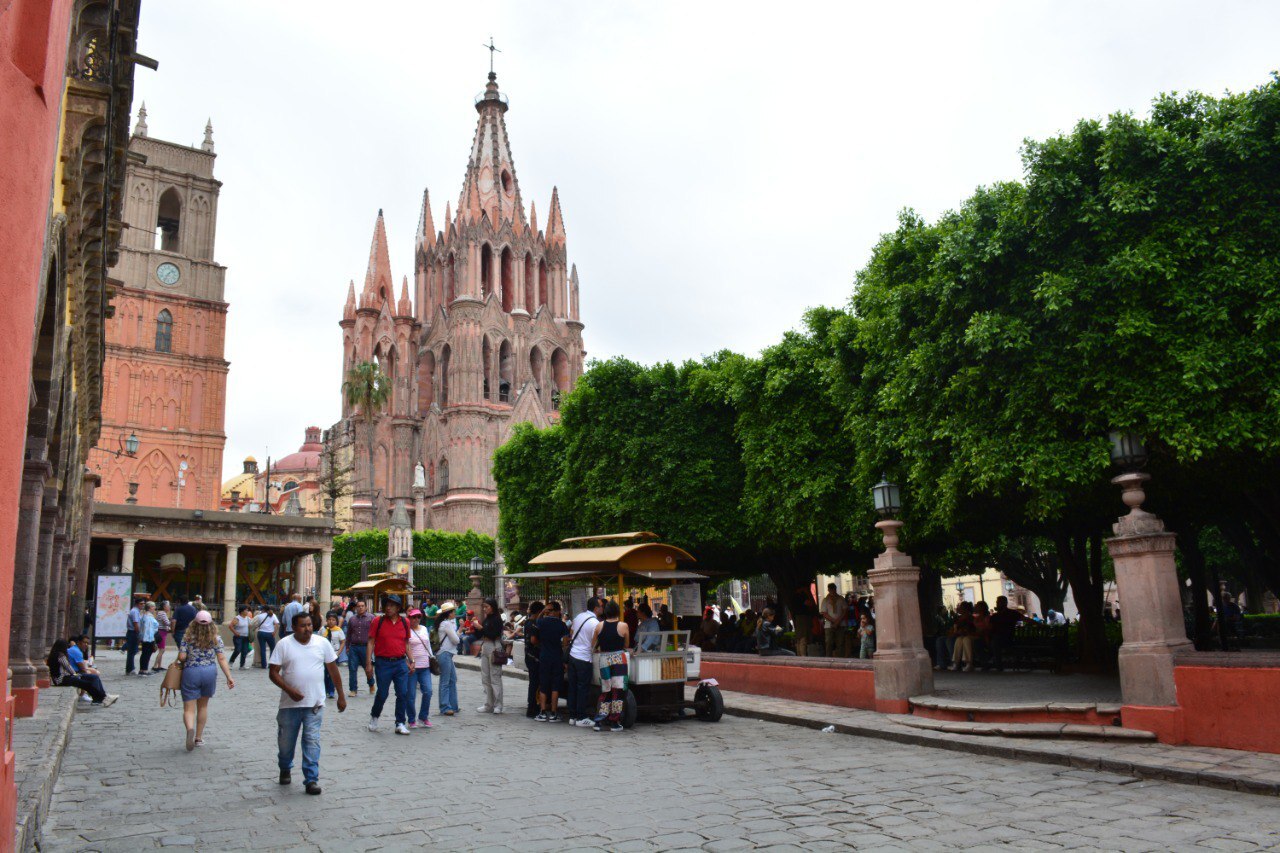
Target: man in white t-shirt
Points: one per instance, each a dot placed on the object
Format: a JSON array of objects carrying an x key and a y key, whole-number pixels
[
  {"x": 581, "y": 632},
  {"x": 298, "y": 665}
]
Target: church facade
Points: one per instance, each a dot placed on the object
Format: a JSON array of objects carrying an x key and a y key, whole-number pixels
[
  {"x": 490, "y": 337},
  {"x": 165, "y": 371}
]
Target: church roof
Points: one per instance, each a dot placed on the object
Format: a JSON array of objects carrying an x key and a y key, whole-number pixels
[
  {"x": 242, "y": 483},
  {"x": 378, "y": 284},
  {"x": 490, "y": 188},
  {"x": 306, "y": 459}
]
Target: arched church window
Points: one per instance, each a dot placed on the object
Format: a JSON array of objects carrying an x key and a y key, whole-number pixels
[
  {"x": 486, "y": 363},
  {"x": 530, "y": 282},
  {"x": 508, "y": 279},
  {"x": 290, "y": 485},
  {"x": 444, "y": 376},
  {"x": 542, "y": 282},
  {"x": 486, "y": 271},
  {"x": 444, "y": 476},
  {"x": 168, "y": 222},
  {"x": 164, "y": 331},
  {"x": 505, "y": 370}
]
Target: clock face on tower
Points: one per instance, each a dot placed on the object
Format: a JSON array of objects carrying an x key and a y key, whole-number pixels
[{"x": 168, "y": 273}]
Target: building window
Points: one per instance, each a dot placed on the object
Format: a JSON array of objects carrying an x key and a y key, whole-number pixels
[
  {"x": 169, "y": 222},
  {"x": 164, "y": 331},
  {"x": 444, "y": 476}
]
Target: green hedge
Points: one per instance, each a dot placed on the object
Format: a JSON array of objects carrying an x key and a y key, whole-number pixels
[
  {"x": 438, "y": 545},
  {"x": 1262, "y": 624}
]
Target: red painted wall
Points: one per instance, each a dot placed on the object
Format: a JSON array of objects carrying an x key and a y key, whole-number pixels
[
  {"x": 1230, "y": 707},
  {"x": 849, "y": 688},
  {"x": 33, "y": 55}
]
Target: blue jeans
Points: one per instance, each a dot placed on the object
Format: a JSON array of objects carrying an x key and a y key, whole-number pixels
[
  {"x": 288, "y": 722},
  {"x": 419, "y": 683},
  {"x": 448, "y": 683},
  {"x": 130, "y": 650},
  {"x": 356, "y": 658},
  {"x": 394, "y": 671},
  {"x": 266, "y": 645},
  {"x": 241, "y": 650},
  {"x": 579, "y": 684}
]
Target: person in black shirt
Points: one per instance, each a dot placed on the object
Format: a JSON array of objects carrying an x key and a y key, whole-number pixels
[
  {"x": 530, "y": 629},
  {"x": 551, "y": 635},
  {"x": 181, "y": 619}
]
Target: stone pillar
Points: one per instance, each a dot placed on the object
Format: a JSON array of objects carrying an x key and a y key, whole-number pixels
[
  {"x": 58, "y": 584},
  {"x": 113, "y": 555},
  {"x": 229, "y": 583},
  {"x": 419, "y": 508},
  {"x": 21, "y": 665},
  {"x": 1147, "y": 584},
  {"x": 80, "y": 569},
  {"x": 211, "y": 579},
  {"x": 126, "y": 560},
  {"x": 324, "y": 582},
  {"x": 902, "y": 666},
  {"x": 475, "y": 598},
  {"x": 40, "y": 591}
]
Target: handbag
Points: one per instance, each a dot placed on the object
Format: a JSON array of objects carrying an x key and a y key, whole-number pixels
[
  {"x": 433, "y": 665},
  {"x": 171, "y": 686},
  {"x": 500, "y": 656}
]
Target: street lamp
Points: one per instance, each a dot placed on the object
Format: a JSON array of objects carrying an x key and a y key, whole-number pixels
[
  {"x": 887, "y": 498},
  {"x": 888, "y": 501},
  {"x": 1127, "y": 450},
  {"x": 125, "y": 446}
]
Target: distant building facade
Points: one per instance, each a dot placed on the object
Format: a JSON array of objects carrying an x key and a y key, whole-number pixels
[
  {"x": 491, "y": 337},
  {"x": 166, "y": 375}
]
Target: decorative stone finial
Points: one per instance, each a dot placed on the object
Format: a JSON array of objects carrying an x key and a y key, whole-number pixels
[
  {"x": 207, "y": 145},
  {"x": 140, "y": 129},
  {"x": 1138, "y": 521}
]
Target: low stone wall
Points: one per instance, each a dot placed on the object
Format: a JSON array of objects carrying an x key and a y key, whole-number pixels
[
  {"x": 830, "y": 681},
  {"x": 1226, "y": 700},
  {"x": 38, "y": 744}
]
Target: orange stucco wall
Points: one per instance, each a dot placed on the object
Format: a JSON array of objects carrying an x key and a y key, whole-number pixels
[
  {"x": 33, "y": 54},
  {"x": 1229, "y": 707},
  {"x": 850, "y": 688}
]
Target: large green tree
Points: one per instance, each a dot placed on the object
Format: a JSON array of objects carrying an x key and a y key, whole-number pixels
[{"x": 532, "y": 516}]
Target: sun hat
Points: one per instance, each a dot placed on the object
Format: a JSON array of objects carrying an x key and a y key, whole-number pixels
[
  {"x": 447, "y": 607},
  {"x": 415, "y": 612},
  {"x": 203, "y": 617}
]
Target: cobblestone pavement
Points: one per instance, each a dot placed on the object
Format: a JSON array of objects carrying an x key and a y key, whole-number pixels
[{"x": 504, "y": 782}]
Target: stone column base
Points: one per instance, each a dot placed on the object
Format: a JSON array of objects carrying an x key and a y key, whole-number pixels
[{"x": 1146, "y": 672}]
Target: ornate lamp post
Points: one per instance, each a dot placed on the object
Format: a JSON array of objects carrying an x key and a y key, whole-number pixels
[
  {"x": 902, "y": 666},
  {"x": 1147, "y": 583}
]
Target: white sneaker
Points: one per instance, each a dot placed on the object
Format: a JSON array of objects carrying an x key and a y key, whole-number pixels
[
  {"x": 373, "y": 724},
  {"x": 584, "y": 723},
  {"x": 86, "y": 698},
  {"x": 402, "y": 729},
  {"x": 497, "y": 710},
  {"x": 484, "y": 709}
]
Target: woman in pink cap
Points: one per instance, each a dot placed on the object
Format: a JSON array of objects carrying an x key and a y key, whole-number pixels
[
  {"x": 201, "y": 655},
  {"x": 420, "y": 654}
]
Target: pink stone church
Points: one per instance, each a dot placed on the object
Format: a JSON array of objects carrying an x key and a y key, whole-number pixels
[{"x": 490, "y": 338}]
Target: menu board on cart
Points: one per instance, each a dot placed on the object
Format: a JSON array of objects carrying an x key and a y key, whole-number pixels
[
  {"x": 686, "y": 599},
  {"x": 111, "y": 607}
]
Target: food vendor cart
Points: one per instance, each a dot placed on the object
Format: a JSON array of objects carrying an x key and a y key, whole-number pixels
[
  {"x": 379, "y": 585},
  {"x": 662, "y": 662}
]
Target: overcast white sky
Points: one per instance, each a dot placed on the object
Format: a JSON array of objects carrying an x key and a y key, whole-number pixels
[{"x": 722, "y": 165}]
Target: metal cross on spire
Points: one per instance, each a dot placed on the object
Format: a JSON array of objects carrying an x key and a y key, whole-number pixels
[{"x": 492, "y": 50}]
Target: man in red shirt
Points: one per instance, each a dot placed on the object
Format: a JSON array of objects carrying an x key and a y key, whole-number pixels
[{"x": 389, "y": 660}]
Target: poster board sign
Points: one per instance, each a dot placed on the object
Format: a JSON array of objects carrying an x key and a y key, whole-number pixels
[
  {"x": 578, "y": 599},
  {"x": 111, "y": 606},
  {"x": 686, "y": 599}
]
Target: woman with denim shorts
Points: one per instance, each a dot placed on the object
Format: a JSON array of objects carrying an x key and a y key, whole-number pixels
[{"x": 201, "y": 656}]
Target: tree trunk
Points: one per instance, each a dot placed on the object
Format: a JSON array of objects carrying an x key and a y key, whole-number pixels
[
  {"x": 1193, "y": 559},
  {"x": 1081, "y": 560}
]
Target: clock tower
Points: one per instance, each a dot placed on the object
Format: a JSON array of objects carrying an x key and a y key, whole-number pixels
[{"x": 165, "y": 374}]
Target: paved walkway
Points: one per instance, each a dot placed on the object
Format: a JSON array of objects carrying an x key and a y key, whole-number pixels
[
  {"x": 1230, "y": 769},
  {"x": 1013, "y": 687},
  {"x": 508, "y": 783}
]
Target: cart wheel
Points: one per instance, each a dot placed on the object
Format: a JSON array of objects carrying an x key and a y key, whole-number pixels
[
  {"x": 710, "y": 704},
  {"x": 630, "y": 710}
]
